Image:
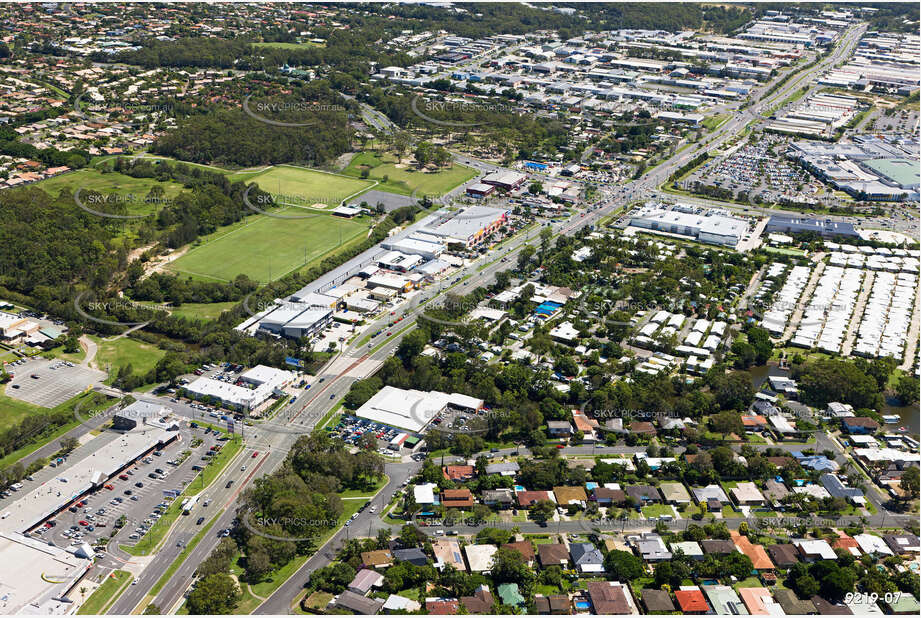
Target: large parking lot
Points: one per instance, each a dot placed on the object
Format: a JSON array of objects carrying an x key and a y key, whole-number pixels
[
  {"x": 139, "y": 494},
  {"x": 49, "y": 383}
]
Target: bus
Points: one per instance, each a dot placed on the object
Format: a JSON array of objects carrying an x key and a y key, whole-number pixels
[{"x": 188, "y": 504}]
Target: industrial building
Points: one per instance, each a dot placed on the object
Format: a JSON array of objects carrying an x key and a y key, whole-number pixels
[
  {"x": 707, "y": 226},
  {"x": 295, "y": 320}
]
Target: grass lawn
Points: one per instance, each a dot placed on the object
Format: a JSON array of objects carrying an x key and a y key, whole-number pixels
[
  {"x": 405, "y": 179},
  {"x": 117, "y": 353},
  {"x": 132, "y": 190},
  {"x": 748, "y": 582},
  {"x": 13, "y": 410},
  {"x": 202, "y": 311},
  {"x": 780, "y": 251},
  {"x": 729, "y": 512},
  {"x": 319, "y": 599},
  {"x": 689, "y": 510},
  {"x": 303, "y": 186},
  {"x": 265, "y": 248},
  {"x": 712, "y": 122},
  {"x": 105, "y": 595},
  {"x": 655, "y": 510},
  {"x": 369, "y": 491}
]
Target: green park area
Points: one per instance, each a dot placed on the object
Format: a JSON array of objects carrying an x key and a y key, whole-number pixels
[
  {"x": 405, "y": 179},
  {"x": 92, "y": 179},
  {"x": 113, "y": 354}
]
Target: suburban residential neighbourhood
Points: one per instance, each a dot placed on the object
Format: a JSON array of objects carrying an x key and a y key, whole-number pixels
[{"x": 460, "y": 308}]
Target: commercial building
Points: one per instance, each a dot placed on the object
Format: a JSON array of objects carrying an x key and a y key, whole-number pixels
[
  {"x": 480, "y": 189},
  {"x": 265, "y": 382},
  {"x": 505, "y": 180},
  {"x": 703, "y": 225},
  {"x": 795, "y": 224},
  {"x": 413, "y": 410},
  {"x": 469, "y": 226},
  {"x": 37, "y": 578},
  {"x": 426, "y": 246}
]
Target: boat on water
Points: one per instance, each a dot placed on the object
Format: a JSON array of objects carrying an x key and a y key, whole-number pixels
[{"x": 891, "y": 419}]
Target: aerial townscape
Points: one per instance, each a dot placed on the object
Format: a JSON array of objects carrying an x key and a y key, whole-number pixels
[{"x": 489, "y": 308}]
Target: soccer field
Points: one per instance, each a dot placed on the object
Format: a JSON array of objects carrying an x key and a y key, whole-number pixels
[
  {"x": 298, "y": 185},
  {"x": 265, "y": 248}
]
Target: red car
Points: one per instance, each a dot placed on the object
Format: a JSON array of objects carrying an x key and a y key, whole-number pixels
[
  {"x": 560, "y": 446},
  {"x": 109, "y": 487},
  {"x": 255, "y": 454},
  {"x": 83, "y": 522},
  {"x": 81, "y": 503},
  {"x": 123, "y": 477}
]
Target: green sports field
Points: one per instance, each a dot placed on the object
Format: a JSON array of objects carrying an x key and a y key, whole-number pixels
[
  {"x": 404, "y": 180},
  {"x": 265, "y": 248},
  {"x": 302, "y": 186}
]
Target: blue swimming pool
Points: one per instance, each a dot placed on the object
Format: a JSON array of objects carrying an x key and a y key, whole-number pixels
[
  {"x": 709, "y": 582},
  {"x": 582, "y": 605}
]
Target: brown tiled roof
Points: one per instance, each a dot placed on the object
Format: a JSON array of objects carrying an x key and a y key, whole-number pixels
[
  {"x": 608, "y": 598},
  {"x": 439, "y": 606},
  {"x": 456, "y": 498},
  {"x": 528, "y": 498},
  {"x": 617, "y": 496},
  {"x": 522, "y": 547},
  {"x": 657, "y": 600},
  {"x": 458, "y": 473},
  {"x": 480, "y": 603},
  {"x": 717, "y": 546},
  {"x": 791, "y": 604},
  {"x": 824, "y": 607},
  {"x": 861, "y": 421},
  {"x": 558, "y": 604},
  {"x": 784, "y": 554},
  {"x": 553, "y": 553},
  {"x": 642, "y": 427}
]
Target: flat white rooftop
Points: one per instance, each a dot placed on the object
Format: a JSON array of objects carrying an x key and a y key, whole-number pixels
[
  {"x": 78, "y": 478},
  {"x": 35, "y": 576}
]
